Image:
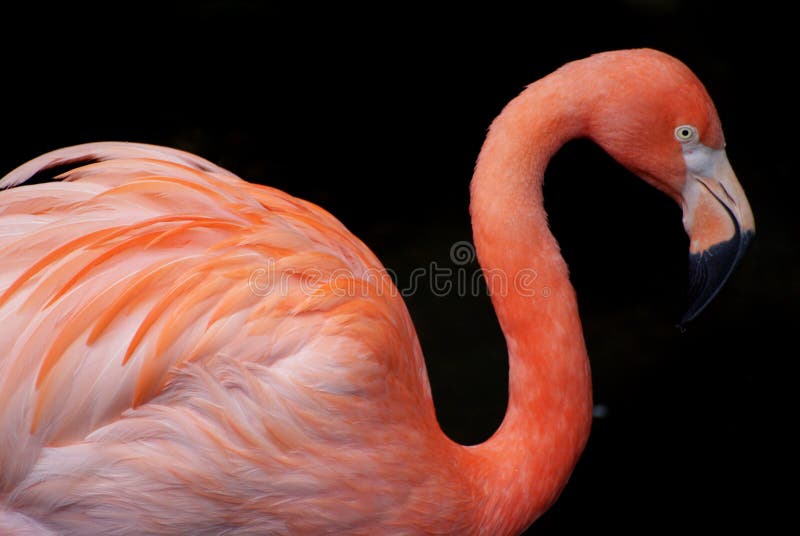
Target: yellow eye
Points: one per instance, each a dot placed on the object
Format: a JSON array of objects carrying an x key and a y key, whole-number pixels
[{"x": 685, "y": 133}]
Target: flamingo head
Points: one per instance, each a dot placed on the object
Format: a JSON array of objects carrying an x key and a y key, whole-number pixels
[{"x": 655, "y": 117}]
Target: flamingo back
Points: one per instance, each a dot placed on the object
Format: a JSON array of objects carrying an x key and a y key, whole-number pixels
[{"x": 147, "y": 290}]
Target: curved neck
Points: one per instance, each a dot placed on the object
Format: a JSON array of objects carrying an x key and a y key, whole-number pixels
[{"x": 525, "y": 464}]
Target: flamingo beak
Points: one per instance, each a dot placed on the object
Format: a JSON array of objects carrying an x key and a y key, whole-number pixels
[{"x": 719, "y": 222}]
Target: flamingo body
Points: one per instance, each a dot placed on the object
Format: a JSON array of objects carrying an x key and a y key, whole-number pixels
[
  {"x": 187, "y": 352},
  {"x": 129, "y": 286}
]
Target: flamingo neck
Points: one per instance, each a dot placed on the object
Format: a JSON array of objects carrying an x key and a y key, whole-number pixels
[{"x": 522, "y": 468}]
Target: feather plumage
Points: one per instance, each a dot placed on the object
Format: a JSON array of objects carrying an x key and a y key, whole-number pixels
[{"x": 131, "y": 295}]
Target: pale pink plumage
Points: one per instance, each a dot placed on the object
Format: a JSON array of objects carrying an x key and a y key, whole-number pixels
[{"x": 150, "y": 261}]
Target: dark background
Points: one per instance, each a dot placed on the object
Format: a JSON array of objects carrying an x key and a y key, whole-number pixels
[{"x": 378, "y": 116}]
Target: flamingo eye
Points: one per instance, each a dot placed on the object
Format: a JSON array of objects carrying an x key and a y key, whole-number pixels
[{"x": 685, "y": 133}]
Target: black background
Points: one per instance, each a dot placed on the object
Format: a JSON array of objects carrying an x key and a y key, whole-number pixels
[{"x": 378, "y": 116}]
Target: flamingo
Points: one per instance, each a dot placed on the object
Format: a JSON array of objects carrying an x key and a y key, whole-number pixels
[{"x": 185, "y": 352}]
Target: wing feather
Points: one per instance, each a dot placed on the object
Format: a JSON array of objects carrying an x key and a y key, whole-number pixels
[
  {"x": 99, "y": 152},
  {"x": 145, "y": 260}
]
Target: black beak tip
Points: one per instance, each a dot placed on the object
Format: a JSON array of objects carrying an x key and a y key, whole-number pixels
[{"x": 709, "y": 270}]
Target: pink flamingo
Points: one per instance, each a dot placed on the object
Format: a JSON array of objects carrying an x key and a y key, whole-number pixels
[{"x": 188, "y": 353}]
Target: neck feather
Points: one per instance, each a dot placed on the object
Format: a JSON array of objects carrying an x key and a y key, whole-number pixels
[{"x": 525, "y": 464}]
